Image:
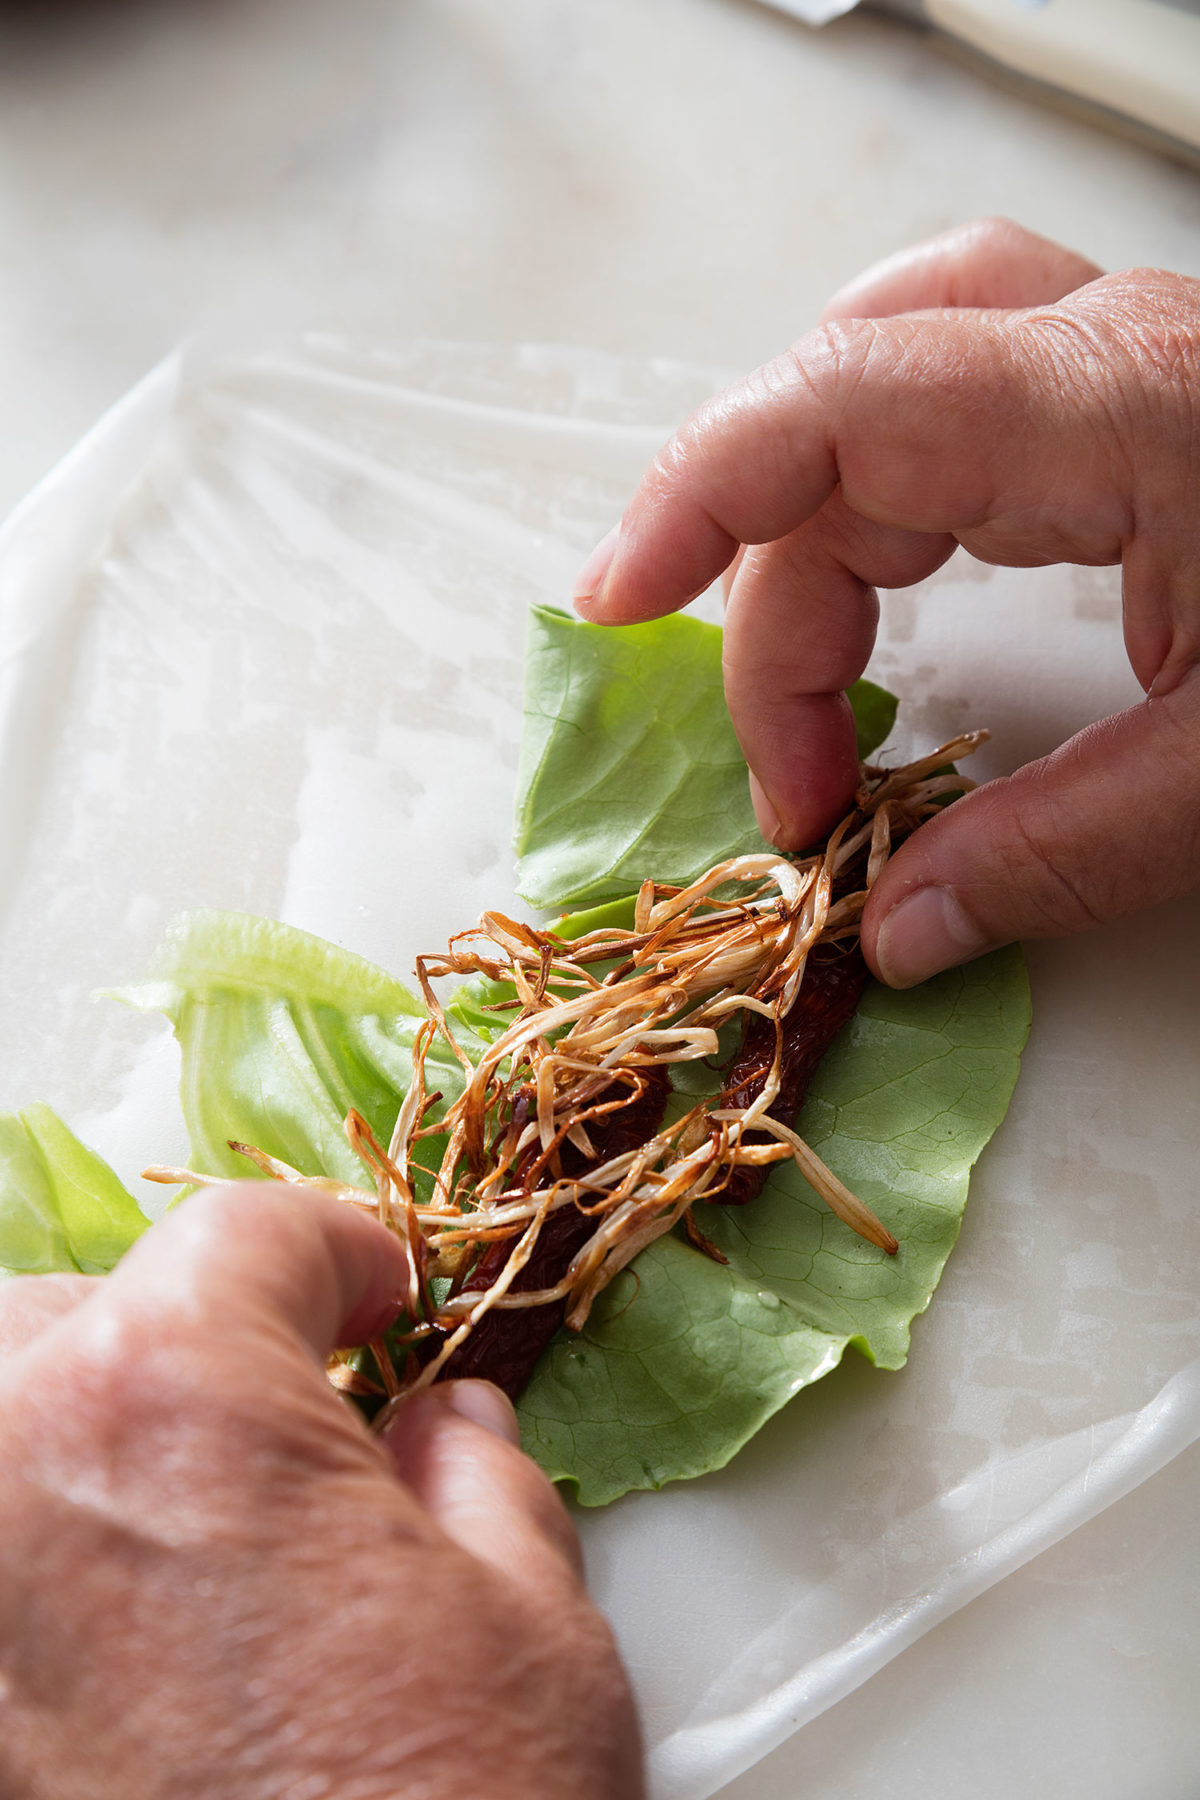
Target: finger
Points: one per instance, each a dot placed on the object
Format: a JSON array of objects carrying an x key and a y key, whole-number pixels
[
  {"x": 1106, "y": 824},
  {"x": 262, "y": 1252},
  {"x": 988, "y": 263},
  {"x": 30, "y": 1303},
  {"x": 799, "y": 627},
  {"x": 1001, "y": 430},
  {"x": 456, "y": 1447}
]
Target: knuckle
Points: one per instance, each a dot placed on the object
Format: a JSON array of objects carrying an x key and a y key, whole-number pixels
[
  {"x": 1125, "y": 359},
  {"x": 834, "y": 360},
  {"x": 1075, "y": 354},
  {"x": 1137, "y": 333},
  {"x": 996, "y": 232},
  {"x": 857, "y": 374}
]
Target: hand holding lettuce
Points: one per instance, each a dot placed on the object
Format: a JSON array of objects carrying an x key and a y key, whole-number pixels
[
  {"x": 629, "y": 763},
  {"x": 629, "y": 768},
  {"x": 989, "y": 389}
]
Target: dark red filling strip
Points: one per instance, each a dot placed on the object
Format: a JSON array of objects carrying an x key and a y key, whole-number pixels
[
  {"x": 507, "y": 1342},
  {"x": 832, "y": 987}
]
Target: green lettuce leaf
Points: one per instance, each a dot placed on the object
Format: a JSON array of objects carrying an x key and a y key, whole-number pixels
[
  {"x": 281, "y": 1034},
  {"x": 629, "y": 767},
  {"x": 629, "y": 764},
  {"x": 682, "y": 1359},
  {"x": 61, "y": 1206}
]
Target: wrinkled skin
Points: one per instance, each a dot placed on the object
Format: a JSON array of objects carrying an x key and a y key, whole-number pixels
[
  {"x": 988, "y": 389},
  {"x": 214, "y": 1582}
]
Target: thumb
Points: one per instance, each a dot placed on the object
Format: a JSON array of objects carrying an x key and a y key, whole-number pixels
[
  {"x": 456, "y": 1446},
  {"x": 1107, "y": 824}
]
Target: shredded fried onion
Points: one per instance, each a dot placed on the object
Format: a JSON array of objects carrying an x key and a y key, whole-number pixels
[{"x": 588, "y": 1016}]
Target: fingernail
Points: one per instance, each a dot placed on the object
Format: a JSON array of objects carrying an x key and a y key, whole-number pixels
[
  {"x": 764, "y": 812},
  {"x": 484, "y": 1405},
  {"x": 927, "y": 932},
  {"x": 590, "y": 579}
]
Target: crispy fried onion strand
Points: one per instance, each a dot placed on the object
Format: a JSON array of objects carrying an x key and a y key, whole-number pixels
[{"x": 588, "y": 1015}]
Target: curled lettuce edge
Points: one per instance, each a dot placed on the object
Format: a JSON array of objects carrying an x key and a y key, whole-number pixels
[{"x": 62, "y": 1208}]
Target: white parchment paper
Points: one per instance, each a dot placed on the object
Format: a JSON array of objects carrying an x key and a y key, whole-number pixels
[{"x": 260, "y": 647}]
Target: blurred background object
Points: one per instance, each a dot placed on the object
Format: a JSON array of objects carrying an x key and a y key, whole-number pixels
[{"x": 1131, "y": 64}]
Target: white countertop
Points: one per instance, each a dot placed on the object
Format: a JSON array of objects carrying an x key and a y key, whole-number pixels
[{"x": 687, "y": 178}]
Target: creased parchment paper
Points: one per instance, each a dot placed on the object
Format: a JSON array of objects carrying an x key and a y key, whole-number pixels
[{"x": 260, "y": 647}]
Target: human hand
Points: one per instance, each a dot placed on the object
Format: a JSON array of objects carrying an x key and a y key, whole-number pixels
[
  {"x": 214, "y": 1582},
  {"x": 1034, "y": 411}
]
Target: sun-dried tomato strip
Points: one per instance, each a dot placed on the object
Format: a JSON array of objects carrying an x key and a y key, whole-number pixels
[
  {"x": 505, "y": 1345},
  {"x": 834, "y": 978}
]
